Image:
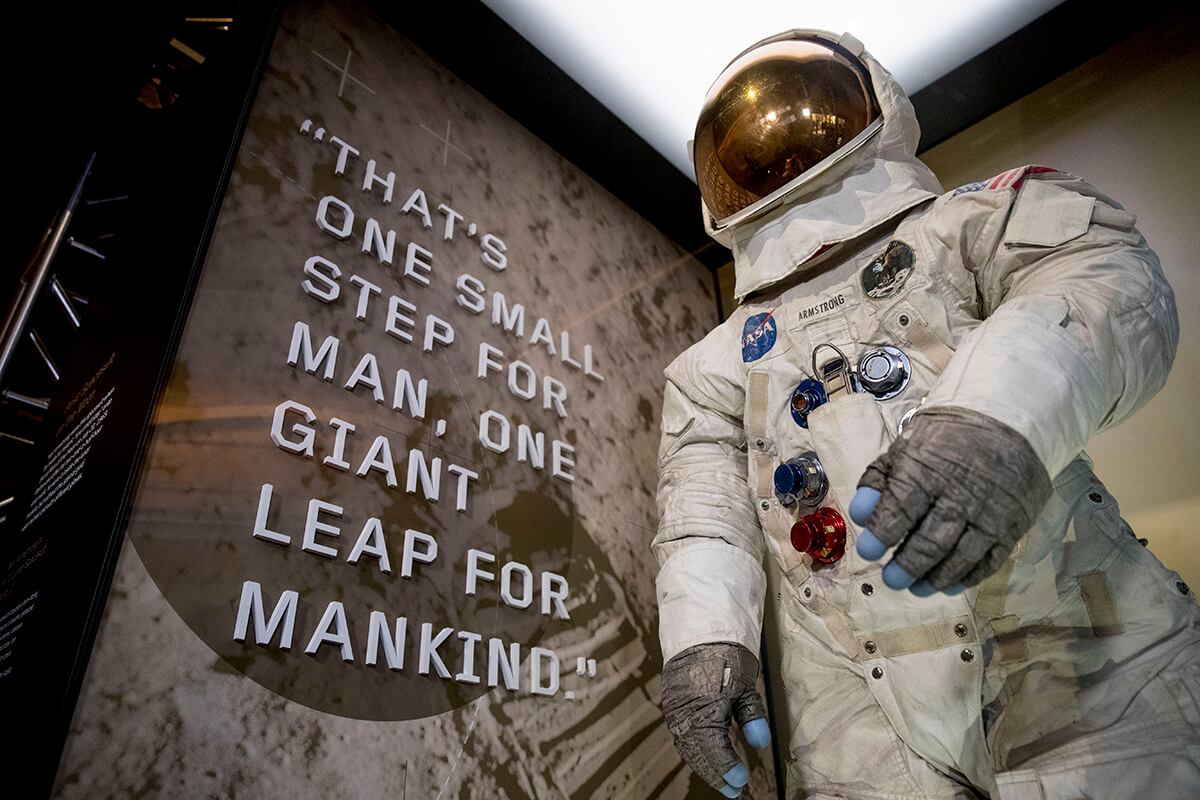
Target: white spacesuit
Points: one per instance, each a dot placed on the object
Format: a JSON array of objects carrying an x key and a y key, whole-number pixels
[{"x": 868, "y": 294}]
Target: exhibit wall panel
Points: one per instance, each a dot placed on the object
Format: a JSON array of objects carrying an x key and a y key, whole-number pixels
[
  {"x": 392, "y": 538},
  {"x": 1125, "y": 121}
]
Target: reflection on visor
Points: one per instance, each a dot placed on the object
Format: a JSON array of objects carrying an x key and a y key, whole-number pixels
[{"x": 774, "y": 113}]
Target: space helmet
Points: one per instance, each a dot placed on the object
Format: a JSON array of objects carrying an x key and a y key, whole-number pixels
[{"x": 783, "y": 112}]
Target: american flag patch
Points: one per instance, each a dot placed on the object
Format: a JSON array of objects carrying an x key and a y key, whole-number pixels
[
  {"x": 1005, "y": 180},
  {"x": 970, "y": 187}
]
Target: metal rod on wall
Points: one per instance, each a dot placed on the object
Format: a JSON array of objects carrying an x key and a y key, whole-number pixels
[
  {"x": 16, "y": 323},
  {"x": 65, "y": 301}
]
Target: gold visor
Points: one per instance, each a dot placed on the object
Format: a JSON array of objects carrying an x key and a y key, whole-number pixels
[{"x": 778, "y": 110}]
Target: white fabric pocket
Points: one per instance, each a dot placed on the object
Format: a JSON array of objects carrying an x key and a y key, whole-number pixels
[
  {"x": 848, "y": 434},
  {"x": 1047, "y": 215}
]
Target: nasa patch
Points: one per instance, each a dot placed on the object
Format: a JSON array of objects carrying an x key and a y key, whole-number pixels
[
  {"x": 758, "y": 336},
  {"x": 885, "y": 276}
]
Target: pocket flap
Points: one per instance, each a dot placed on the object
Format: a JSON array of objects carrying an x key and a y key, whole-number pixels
[{"x": 1048, "y": 215}]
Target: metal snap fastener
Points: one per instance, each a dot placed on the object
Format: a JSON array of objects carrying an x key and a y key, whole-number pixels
[
  {"x": 1096, "y": 498},
  {"x": 877, "y": 673},
  {"x": 967, "y": 655},
  {"x": 760, "y": 443},
  {"x": 869, "y": 646},
  {"x": 868, "y": 589},
  {"x": 807, "y": 592},
  {"x": 903, "y": 319},
  {"x": 1182, "y": 587},
  {"x": 765, "y": 505},
  {"x": 960, "y": 630}
]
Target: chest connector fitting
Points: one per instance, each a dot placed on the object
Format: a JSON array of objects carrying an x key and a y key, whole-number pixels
[
  {"x": 821, "y": 534},
  {"x": 801, "y": 480}
]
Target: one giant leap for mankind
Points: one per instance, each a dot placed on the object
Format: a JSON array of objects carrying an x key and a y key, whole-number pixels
[{"x": 293, "y": 430}]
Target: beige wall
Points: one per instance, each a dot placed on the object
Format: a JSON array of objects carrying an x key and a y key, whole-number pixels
[{"x": 1127, "y": 122}]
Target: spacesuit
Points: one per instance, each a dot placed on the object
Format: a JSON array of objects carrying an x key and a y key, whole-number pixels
[{"x": 883, "y": 323}]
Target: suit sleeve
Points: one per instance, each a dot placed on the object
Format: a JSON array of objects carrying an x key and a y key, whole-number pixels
[
  {"x": 709, "y": 546},
  {"x": 1079, "y": 328}
]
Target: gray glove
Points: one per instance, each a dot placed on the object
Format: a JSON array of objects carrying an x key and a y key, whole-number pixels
[
  {"x": 704, "y": 688},
  {"x": 955, "y": 492}
]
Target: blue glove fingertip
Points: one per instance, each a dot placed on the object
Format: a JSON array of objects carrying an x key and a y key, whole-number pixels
[
  {"x": 758, "y": 735},
  {"x": 895, "y": 576},
  {"x": 862, "y": 504},
  {"x": 737, "y": 777},
  {"x": 729, "y": 791},
  {"x": 923, "y": 588},
  {"x": 869, "y": 546},
  {"x": 957, "y": 588}
]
